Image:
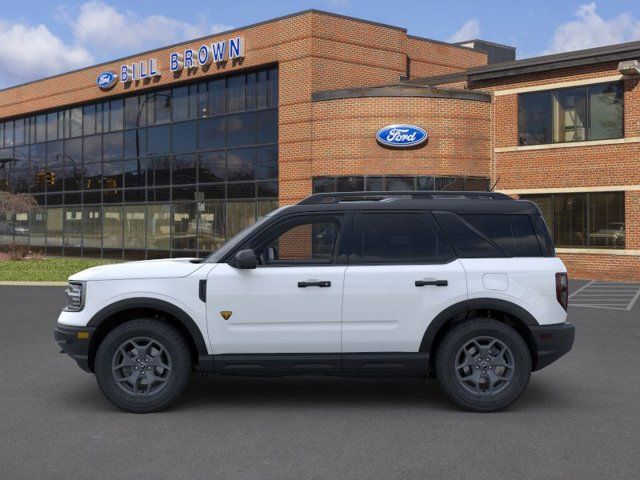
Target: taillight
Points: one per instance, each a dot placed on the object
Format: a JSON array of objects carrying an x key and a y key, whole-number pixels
[{"x": 562, "y": 289}]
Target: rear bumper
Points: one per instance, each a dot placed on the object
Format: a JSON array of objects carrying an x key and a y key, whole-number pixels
[
  {"x": 552, "y": 342},
  {"x": 74, "y": 345}
]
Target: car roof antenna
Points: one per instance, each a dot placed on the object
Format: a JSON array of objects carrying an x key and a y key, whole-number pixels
[{"x": 494, "y": 185}]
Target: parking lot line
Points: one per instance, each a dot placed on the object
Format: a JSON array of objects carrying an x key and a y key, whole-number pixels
[{"x": 606, "y": 295}]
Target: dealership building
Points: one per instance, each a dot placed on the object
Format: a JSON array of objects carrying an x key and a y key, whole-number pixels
[{"x": 170, "y": 152}]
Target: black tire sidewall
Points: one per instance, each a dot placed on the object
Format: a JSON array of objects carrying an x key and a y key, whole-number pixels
[
  {"x": 456, "y": 338},
  {"x": 170, "y": 338}
]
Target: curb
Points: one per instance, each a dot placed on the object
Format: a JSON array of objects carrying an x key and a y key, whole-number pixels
[{"x": 33, "y": 284}]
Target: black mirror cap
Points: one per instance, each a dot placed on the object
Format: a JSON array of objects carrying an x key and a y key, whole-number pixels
[{"x": 246, "y": 259}]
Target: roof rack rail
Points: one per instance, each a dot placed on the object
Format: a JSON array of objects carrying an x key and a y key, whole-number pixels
[{"x": 338, "y": 197}]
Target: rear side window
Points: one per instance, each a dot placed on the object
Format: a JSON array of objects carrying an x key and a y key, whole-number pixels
[
  {"x": 514, "y": 234},
  {"x": 544, "y": 238},
  {"x": 394, "y": 238},
  {"x": 467, "y": 241}
]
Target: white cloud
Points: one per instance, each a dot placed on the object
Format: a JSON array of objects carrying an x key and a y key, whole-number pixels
[
  {"x": 591, "y": 30},
  {"x": 108, "y": 31},
  {"x": 469, "y": 31},
  {"x": 29, "y": 52}
]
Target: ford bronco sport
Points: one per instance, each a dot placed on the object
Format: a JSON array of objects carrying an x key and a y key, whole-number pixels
[{"x": 463, "y": 286}]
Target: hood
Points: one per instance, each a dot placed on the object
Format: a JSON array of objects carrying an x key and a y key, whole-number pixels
[{"x": 165, "y": 268}]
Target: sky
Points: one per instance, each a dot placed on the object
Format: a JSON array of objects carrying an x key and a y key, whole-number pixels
[{"x": 39, "y": 38}]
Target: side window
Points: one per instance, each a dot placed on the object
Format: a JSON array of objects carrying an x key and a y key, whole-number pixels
[
  {"x": 301, "y": 241},
  {"x": 466, "y": 240},
  {"x": 399, "y": 238},
  {"x": 512, "y": 233}
]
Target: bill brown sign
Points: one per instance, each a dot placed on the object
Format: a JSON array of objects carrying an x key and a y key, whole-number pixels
[{"x": 189, "y": 59}]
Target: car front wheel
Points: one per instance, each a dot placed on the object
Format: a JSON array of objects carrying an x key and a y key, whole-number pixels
[
  {"x": 483, "y": 365},
  {"x": 143, "y": 365}
]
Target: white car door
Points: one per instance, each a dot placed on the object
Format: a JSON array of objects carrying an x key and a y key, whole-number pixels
[
  {"x": 290, "y": 303},
  {"x": 401, "y": 274}
]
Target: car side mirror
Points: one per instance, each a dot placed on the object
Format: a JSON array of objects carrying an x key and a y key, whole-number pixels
[{"x": 246, "y": 259}]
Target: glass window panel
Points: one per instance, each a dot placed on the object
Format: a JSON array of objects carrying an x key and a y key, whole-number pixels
[
  {"x": 201, "y": 104},
  {"x": 92, "y": 227},
  {"x": 305, "y": 240},
  {"x": 21, "y": 178},
  {"x": 8, "y": 134},
  {"x": 53, "y": 220},
  {"x": 159, "y": 171},
  {"x": 184, "y": 137},
  {"x": 158, "y": 226},
  {"x": 21, "y": 229},
  {"x": 1, "y": 134},
  {"x": 183, "y": 193},
  {"x": 162, "y": 109},
  {"x": 193, "y": 102},
  {"x": 268, "y": 126},
  {"x": 37, "y": 226},
  {"x": 467, "y": 242},
  {"x": 250, "y": 91},
  {"x": 92, "y": 148},
  {"x": 112, "y": 146},
  {"x": 239, "y": 216},
  {"x": 112, "y": 227},
  {"x": 41, "y": 128},
  {"x": 425, "y": 183},
  {"x": 272, "y": 88},
  {"x": 184, "y": 226},
  {"x": 514, "y": 234},
  {"x": 216, "y": 94},
  {"x": 37, "y": 167},
  {"x": 130, "y": 115},
  {"x": 267, "y": 163},
  {"x": 399, "y": 183},
  {"x": 211, "y": 226},
  {"x": 112, "y": 175},
  {"x": 137, "y": 195},
  {"x": 606, "y": 220},
  {"x": 606, "y": 111},
  {"x": 6, "y": 229},
  {"x": 56, "y": 199},
  {"x": 477, "y": 184},
  {"x": 55, "y": 153},
  {"x": 159, "y": 194},
  {"x": 135, "y": 143},
  {"x": 261, "y": 89},
  {"x": 374, "y": 184},
  {"x": 534, "y": 118},
  {"x": 241, "y": 164},
  {"x": 75, "y": 122},
  {"x": 211, "y": 133},
  {"x": 89, "y": 116},
  {"x": 235, "y": 93},
  {"x": 213, "y": 191},
  {"x": 116, "y": 115},
  {"x": 324, "y": 185},
  {"x": 268, "y": 189},
  {"x": 134, "y": 225},
  {"x": 570, "y": 115},
  {"x": 92, "y": 176},
  {"x": 241, "y": 129},
  {"x": 241, "y": 190},
  {"x": 158, "y": 140},
  {"x": 19, "y": 131},
  {"x": 135, "y": 173},
  {"x": 92, "y": 197},
  {"x": 266, "y": 206},
  {"x": 184, "y": 169},
  {"x": 73, "y": 227},
  {"x": 350, "y": 184},
  {"x": 180, "y": 104},
  {"x": 570, "y": 220},
  {"x": 449, "y": 183}
]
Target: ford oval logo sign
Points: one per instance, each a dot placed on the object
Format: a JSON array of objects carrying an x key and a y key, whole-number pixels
[
  {"x": 401, "y": 136},
  {"x": 106, "y": 80}
]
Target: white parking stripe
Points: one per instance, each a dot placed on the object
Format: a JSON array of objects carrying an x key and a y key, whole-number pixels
[{"x": 613, "y": 296}]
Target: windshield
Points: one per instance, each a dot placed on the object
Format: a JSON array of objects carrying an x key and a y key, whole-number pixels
[{"x": 231, "y": 243}]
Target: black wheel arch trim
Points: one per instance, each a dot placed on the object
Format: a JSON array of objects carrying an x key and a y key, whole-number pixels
[
  {"x": 155, "y": 304},
  {"x": 461, "y": 309}
]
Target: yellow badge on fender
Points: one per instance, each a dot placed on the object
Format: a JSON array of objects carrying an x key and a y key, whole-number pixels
[{"x": 226, "y": 314}]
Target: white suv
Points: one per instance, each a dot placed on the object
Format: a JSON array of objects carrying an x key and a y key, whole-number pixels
[{"x": 458, "y": 285}]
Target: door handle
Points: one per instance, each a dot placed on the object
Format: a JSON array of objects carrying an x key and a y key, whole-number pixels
[
  {"x": 315, "y": 283},
  {"x": 437, "y": 283}
]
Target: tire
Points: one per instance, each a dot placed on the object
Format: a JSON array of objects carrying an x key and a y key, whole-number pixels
[
  {"x": 483, "y": 365},
  {"x": 143, "y": 365}
]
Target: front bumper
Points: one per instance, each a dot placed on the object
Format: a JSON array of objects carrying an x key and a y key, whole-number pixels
[
  {"x": 75, "y": 341},
  {"x": 552, "y": 342}
]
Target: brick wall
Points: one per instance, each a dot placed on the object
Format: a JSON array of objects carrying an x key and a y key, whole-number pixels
[{"x": 430, "y": 58}]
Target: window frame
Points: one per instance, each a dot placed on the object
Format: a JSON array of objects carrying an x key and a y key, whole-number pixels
[
  {"x": 339, "y": 256},
  {"x": 355, "y": 253},
  {"x": 552, "y": 93}
]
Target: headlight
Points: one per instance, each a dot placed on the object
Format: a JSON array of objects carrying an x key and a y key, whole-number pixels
[{"x": 75, "y": 297}]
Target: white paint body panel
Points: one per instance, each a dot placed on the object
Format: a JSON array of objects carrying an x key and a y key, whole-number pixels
[
  {"x": 385, "y": 312},
  {"x": 271, "y": 314},
  {"x": 531, "y": 284}
]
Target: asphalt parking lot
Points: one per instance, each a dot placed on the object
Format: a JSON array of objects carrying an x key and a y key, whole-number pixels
[{"x": 578, "y": 419}]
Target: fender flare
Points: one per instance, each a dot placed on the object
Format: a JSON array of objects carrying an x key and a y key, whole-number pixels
[
  {"x": 464, "y": 307},
  {"x": 155, "y": 304}
]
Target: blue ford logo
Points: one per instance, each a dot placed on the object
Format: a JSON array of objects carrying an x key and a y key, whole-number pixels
[
  {"x": 106, "y": 80},
  {"x": 401, "y": 136}
]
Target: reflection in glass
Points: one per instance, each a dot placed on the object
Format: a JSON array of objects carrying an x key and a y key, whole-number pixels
[
  {"x": 112, "y": 227},
  {"x": 134, "y": 225},
  {"x": 158, "y": 226},
  {"x": 184, "y": 226}
]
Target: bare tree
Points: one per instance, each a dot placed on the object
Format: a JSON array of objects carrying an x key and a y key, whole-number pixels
[{"x": 16, "y": 202}]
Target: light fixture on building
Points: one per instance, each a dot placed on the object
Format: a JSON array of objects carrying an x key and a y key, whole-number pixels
[{"x": 629, "y": 67}]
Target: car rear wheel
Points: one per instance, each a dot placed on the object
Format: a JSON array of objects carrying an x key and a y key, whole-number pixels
[
  {"x": 483, "y": 365},
  {"x": 143, "y": 365}
]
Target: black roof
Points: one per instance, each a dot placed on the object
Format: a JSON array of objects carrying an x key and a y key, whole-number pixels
[{"x": 457, "y": 202}]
